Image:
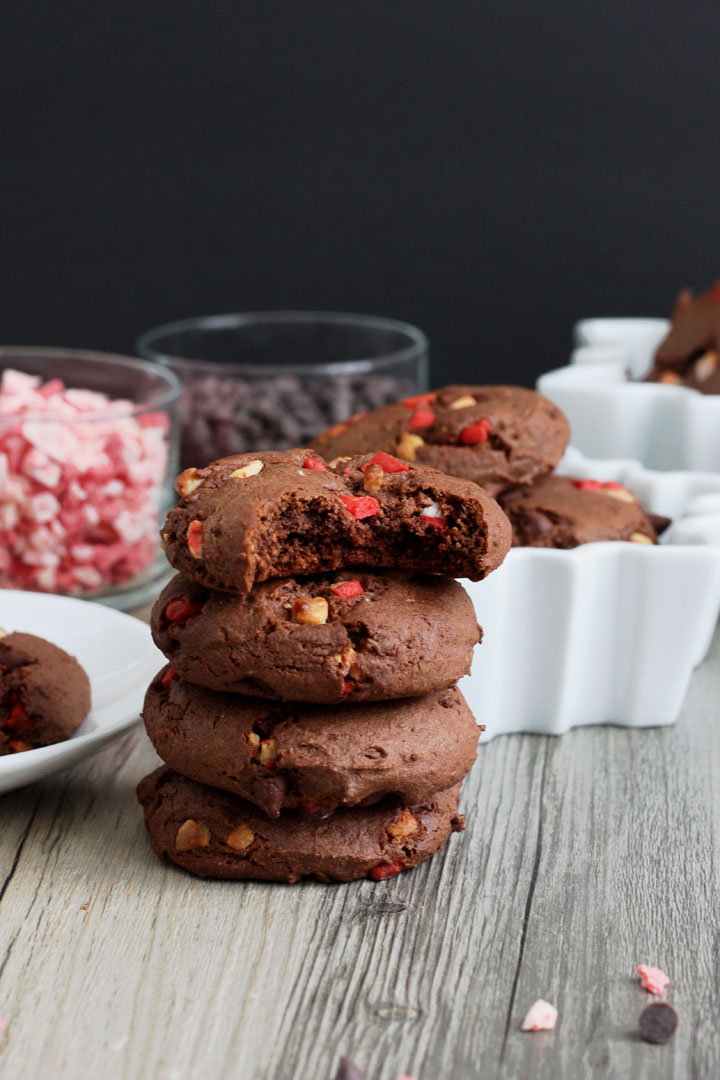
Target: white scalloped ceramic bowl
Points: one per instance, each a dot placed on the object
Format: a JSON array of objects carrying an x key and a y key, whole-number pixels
[
  {"x": 605, "y": 633},
  {"x": 611, "y": 416}
]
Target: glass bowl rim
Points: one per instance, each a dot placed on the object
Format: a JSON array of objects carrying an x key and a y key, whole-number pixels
[
  {"x": 166, "y": 398},
  {"x": 418, "y": 345}
]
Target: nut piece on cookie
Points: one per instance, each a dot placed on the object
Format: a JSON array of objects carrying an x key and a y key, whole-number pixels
[
  {"x": 286, "y": 519},
  {"x": 496, "y": 436}
]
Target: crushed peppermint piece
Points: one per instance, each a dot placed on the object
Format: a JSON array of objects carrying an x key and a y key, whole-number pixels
[
  {"x": 652, "y": 978},
  {"x": 542, "y": 1016}
]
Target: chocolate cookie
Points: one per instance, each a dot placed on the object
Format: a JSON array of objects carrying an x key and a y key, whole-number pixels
[
  {"x": 690, "y": 354},
  {"x": 214, "y": 834},
  {"x": 349, "y": 636},
  {"x": 561, "y": 512},
  {"x": 44, "y": 693},
  {"x": 496, "y": 436},
  {"x": 311, "y": 757},
  {"x": 248, "y": 518}
]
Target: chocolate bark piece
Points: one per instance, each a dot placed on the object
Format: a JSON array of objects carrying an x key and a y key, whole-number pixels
[
  {"x": 311, "y": 757},
  {"x": 690, "y": 353},
  {"x": 248, "y": 518},
  {"x": 44, "y": 693},
  {"x": 383, "y": 636},
  {"x": 214, "y": 834},
  {"x": 563, "y": 512},
  {"x": 496, "y": 436}
]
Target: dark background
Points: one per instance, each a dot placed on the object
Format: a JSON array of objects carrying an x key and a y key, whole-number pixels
[{"x": 486, "y": 169}]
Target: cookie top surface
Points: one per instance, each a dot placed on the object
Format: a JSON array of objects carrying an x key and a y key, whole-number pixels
[
  {"x": 214, "y": 834},
  {"x": 44, "y": 693},
  {"x": 342, "y": 637},
  {"x": 252, "y": 517},
  {"x": 311, "y": 757},
  {"x": 496, "y": 436},
  {"x": 690, "y": 353},
  {"x": 562, "y": 512}
]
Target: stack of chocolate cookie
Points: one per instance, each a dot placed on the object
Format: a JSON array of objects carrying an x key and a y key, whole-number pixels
[
  {"x": 309, "y": 718},
  {"x": 508, "y": 440}
]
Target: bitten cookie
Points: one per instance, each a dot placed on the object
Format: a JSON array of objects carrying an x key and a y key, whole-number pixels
[
  {"x": 496, "y": 436},
  {"x": 561, "y": 512},
  {"x": 214, "y": 834},
  {"x": 348, "y": 636},
  {"x": 248, "y": 518},
  {"x": 44, "y": 693},
  {"x": 690, "y": 354},
  {"x": 311, "y": 757}
]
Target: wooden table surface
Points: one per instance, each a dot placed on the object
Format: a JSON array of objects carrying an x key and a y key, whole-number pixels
[{"x": 583, "y": 856}]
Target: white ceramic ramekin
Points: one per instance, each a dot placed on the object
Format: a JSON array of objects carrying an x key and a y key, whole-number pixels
[
  {"x": 605, "y": 633},
  {"x": 611, "y": 416}
]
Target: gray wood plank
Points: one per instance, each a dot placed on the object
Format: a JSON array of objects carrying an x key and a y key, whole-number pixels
[{"x": 583, "y": 856}]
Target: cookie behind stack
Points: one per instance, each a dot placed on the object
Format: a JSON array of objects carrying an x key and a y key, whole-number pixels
[
  {"x": 508, "y": 440},
  {"x": 309, "y": 719}
]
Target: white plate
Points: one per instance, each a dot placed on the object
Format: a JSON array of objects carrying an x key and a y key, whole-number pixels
[{"x": 119, "y": 656}]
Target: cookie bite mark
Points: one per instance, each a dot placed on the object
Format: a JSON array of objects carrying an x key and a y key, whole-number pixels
[{"x": 284, "y": 520}]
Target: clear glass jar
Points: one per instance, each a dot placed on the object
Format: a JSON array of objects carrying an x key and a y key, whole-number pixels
[
  {"x": 271, "y": 380},
  {"x": 88, "y": 455}
]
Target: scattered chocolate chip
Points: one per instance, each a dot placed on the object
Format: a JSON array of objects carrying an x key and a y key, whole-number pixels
[
  {"x": 347, "y": 1070},
  {"x": 658, "y": 1022},
  {"x": 537, "y": 523},
  {"x": 269, "y": 793}
]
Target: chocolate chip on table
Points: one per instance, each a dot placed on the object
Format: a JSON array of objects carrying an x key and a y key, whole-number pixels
[
  {"x": 347, "y": 1070},
  {"x": 658, "y": 1022},
  {"x": 222, "y": 416}
]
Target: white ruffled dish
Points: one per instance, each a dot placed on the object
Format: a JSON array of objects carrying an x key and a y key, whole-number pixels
[
  {"x": 605, "y": 633},
  {"x": 611, "y": 416},
  {"x": 119, "y": 656}
]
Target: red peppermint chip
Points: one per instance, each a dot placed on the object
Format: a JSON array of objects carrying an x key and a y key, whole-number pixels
[
  {"x": 361, "y": 506},
  {"x": 169, "y": 676},
  {"x": 716, "y": 290},
  {"x": 475, "y": 433},
  {"x": 18, "y": 719},
  {"x": 438, "y": 523},
  {"x": 314, "y": 463},
  {"x": 195, "y": 538},
  {"x": 348, "y": 686},
  {"x": 418, "y": 401},
  {"x": 612, "y": 485},
  {"x": 346, "y": 589},
  {"x": 387, "y": 463},
  {"x": 588, "y": 485},
  {"x": 422, "y": 418},
  {"x": 385, "y": 870},
  {"x": 181, "y": 608}
]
